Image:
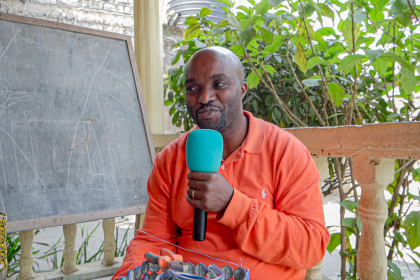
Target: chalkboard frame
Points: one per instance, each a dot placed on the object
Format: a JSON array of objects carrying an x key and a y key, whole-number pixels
[{"x": 85, "y": 217}]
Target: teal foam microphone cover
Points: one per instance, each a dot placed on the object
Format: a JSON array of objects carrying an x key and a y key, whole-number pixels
[
  {"x": 204, "y": 150},
  {"x": 204, "y": 154}
]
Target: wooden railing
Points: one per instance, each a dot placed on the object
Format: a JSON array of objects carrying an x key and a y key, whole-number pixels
[{"x": 373, "y": 148}]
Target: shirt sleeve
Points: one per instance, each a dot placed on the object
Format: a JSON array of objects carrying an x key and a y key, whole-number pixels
[
  {"x": 292, "y": 234},
  {"x": 158, "y": 221}
]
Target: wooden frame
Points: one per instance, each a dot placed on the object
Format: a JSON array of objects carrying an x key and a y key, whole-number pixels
[{"x": 84, "y": 217}]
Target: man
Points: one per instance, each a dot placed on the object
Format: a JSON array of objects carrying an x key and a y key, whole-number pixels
[{"x": 264, "y": 204}]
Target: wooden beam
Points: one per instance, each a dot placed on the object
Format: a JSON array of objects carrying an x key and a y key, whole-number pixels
[{"x": 388, "y": 140}]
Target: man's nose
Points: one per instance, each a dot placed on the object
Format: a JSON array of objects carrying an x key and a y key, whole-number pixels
[{"x": 207, "y": 96}]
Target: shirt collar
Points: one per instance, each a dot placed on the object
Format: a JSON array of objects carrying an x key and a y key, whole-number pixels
[{"x": 256, "y": 134}]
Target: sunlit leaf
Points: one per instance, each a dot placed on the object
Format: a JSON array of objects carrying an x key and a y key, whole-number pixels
[
  {"x": 379, "y": 4},
  {"x": 192, "y": 31},
  {"x": 247, "y": 35},
  {"x": 253, "y": 80},
  {"x": 205, "y": 12},
  {"x": 315, "y": 61},
  {"x": 233, "y": 21},
  {"x": 263, "y": 7},
  {"x": 275, "y": 3},
  {"x": 337, "y": 93},
  {"x": 408, "y": 80},
  {"x": 300, "y": 58},
  {"x": 380, "y": 66},
  {"x": 237, "y": 49},
  {"x": 274, "y": 47},
  {"x": 227, "y": 2},
  {"x": 412, "y": 227},
  {"x": 334, "y": 242},
  {"x": 359, "y": 16},
  {"x": 348, "y": 62},
  {"x": 269, "y": 69}
]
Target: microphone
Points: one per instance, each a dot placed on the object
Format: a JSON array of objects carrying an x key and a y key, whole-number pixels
[{"x": 204, "y": 154}]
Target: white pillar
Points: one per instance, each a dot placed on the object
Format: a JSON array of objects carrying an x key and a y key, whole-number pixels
[
  {"x": 109, "y": 244},
  {"x": 70, "y": 252},
  {"x": 373, "y": 175},
  {"x": 26, "y": 257},
  {"x": 322, "y": 166}
]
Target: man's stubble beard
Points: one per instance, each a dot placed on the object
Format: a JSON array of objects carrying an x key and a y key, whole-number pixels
[{"x": 221, "y": 123}]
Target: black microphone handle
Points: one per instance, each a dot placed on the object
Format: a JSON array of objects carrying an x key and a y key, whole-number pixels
[{"x": 200, "y": 224}]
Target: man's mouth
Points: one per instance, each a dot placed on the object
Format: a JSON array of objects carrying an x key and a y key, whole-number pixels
[{"x": 207, "y": 113}]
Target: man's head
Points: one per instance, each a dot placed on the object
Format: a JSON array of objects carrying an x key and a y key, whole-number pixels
[{"x": 215, "y": 86}]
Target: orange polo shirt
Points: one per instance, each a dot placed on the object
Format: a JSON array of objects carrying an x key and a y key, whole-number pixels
[{"x": 274, "y": 222}]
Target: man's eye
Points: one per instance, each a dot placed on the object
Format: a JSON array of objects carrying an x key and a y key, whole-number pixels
[
  {"x": 219, "y": 84},
  {"x": 191, "y": 88}
]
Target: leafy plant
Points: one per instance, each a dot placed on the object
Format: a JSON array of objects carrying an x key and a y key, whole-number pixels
[{"x": 323, "y": 63}]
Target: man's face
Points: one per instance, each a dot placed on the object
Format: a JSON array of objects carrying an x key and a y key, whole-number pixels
[{"x": 214, "y": 91}]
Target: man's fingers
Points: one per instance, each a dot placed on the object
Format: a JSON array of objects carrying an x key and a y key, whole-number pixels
[
  {"x": 196, "y": 184},
  {"x": 194, "y": 194},
  {"x": 199, "y": 176},
  {"x": 194, "y": 202}
]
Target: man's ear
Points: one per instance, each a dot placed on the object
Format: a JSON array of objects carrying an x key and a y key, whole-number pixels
[{"x": 244, "y": 89}]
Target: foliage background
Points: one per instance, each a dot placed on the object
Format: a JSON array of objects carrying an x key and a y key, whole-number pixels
[{"x": 325, "y": 63}]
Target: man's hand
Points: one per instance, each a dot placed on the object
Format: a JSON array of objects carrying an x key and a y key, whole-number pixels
[{"x": 209, "y": 191}]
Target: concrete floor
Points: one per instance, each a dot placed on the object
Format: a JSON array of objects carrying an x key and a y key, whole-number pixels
[{"x": 331, "y": 267}]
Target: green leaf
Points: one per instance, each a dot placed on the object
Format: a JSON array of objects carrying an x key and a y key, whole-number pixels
[
  {"x": 311, "y": 82},
  {"x": 349, "y": 205},
  {"x": 334, "y": 242},
  {"x": 359, "y": 223},
  {"x": 379, "y": 4},
  {"x": 269, "y": 69},
  {"x": 243, "y": 8},
  {"x": 237, "y": 49},
  {"x": 337, "y": 93},
  {"x": 253, "y": 80},
  {"x": 412, "y": 227},
  {"x": 200, "y": 44},
  {"x": 408, "y": 80},
  {"x": 300, "y": 58},
  {"x": 400, "y": 60},
  {"x": 266, "y": 34},
  {"x": 233, "y": 21},
  {"x": 348, "y": 222},
  {"x": 192, "y": 32},
  {"x": 315, "y": 61},
  {"x": 276, "y": 114},
  {"x": 191, "y": 20},
  {"x": 396, "y": 273},
  {"x": 217, "y": 30},
  {"x": 275, "y": 3},
  {"x": 263, "y": 7},
  {"x": 274, "y": 47},
  {"x": 348, "y": 62},
  {"x": 359, "y": 16},
  {"x": 326, "y": 11},
  {"x": 227, "y": 2},
  {"x": 248, "y": 35},
  {"x": 380, "y": 65},
  {"x": 205, "y": 12},
  {"x": 372, "y": 54}
]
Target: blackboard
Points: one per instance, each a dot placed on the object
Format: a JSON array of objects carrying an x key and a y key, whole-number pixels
[{"x": 75, "y": 144}]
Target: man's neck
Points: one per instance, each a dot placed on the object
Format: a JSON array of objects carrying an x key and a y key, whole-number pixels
[{"x": 234, "y": 135}]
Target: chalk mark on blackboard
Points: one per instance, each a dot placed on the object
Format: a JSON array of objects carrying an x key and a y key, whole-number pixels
[
  {"x": 32, "y": 147},
  {"x": 81, "y": 115},
  {"x": 99, "y": 152},
  {"x": 107, "y": 140},
  {"x": 119, "y": 101},
  {"x": 23, "y": 154},
  {"x": 90, "y": 85},
  {"x": 9, "y": 43}
]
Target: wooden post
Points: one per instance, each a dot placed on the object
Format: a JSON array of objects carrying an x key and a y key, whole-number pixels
[
  {"x": 149, "y": 56},
  {"x": 373, "y": 175},
  {"x": 322, "y": 166},
  {"x": 26, "y": 257},
  {"x": 109, "y": 244},
  {"x": 70, "y": 252}
]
